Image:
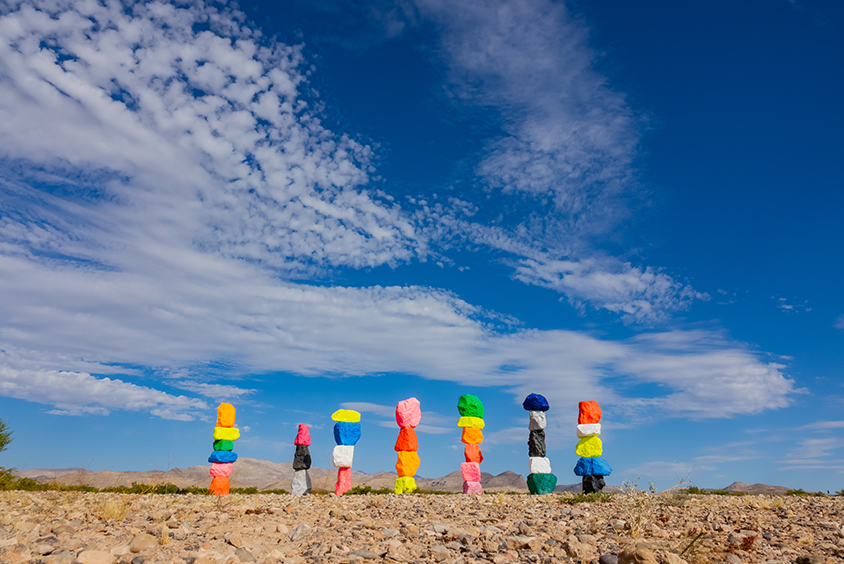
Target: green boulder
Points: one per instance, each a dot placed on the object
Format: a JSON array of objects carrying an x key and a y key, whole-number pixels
[
  {"x": 223, "y": 445},
  {"x": 470, "y": 406},
  {"x": 541, "y": 484}
]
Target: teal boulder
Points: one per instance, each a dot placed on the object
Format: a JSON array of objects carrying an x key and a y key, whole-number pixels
[{"x": 541, "y": 484}]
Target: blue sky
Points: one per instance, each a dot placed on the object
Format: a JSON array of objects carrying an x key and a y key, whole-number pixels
[{"x": 305, "y": 205}]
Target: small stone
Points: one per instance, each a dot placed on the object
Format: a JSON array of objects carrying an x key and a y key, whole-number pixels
[
  {"x": 300, "y": 531},
  {"x": 637, "y": 556},
  {"x": 95, "y": 557},
  {"x": 389, "y": 533},
  {"x": 141, "y": 542},
  {"x": 439, "y": 552},
  {"x": 236, "y": 540},
  {"x": 364, "y": 553},
  {"x": 64, "y": 530},
  {"x": 244, "y": 555},
  {"x": 669, "y": 558},
  {"x": 525, "y": 530},
  {"x": 810, "y": 559},
  {"x": 141, "y": 559},
  {"x": 608, "y": 559},
  {"x": 15, "y": 554}
]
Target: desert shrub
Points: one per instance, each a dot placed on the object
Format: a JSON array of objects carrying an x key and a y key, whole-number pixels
[
  {"x": 5, "y": 435},
  {"x": 840, "y": 492},
  {"x": 597, "y": 497},
  {"x": 277, "y": 492},
  {"x": 246, "y": 491},
  {"x": 801, "y": 493},
  {"x": 695, "y": 490},
  {"x": 364, "y": 490}
]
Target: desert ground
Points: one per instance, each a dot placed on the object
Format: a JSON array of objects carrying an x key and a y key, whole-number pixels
[{"x": 56, "y": 527}]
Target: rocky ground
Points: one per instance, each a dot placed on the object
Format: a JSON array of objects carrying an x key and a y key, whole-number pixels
[{"x": 669, "y": 528}]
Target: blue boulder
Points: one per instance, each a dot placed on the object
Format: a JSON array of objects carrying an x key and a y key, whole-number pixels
[
  {"x": 222, "y": 456},
  {"x": 346, "y": 433},
  {"x": 592, "y": 466},
  {"x": 535, "y": 402}
]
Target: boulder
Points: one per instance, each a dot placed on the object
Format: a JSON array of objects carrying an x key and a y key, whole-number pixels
[
  {"x": 407, "y": 440},
  {"x": 346, "y": 433},
  {"x": 407, "y": 463},
  {"x": 346, "y": 416},
  {"x": 342, "y": 456},
  {"x": 592, "y": 466},
  {"x": 539, "y": 465},
  {"x": 223, "y": 445},
  {"x": 344, "y": 480},
  {"x": 219, "y": 486},
  {"x": 470, "y": 406},
  {"x": 301, "y": 484},
  {"x": 225, "y": 415},
  {"x": 535, "y": 402},
  {"x": 476, "y": 422},
  {"x": 589, "y": 446},
  {"x": 222, "y": 456},
  {"x": 405, "y": 484},
  {"x": 588, "y": 429},
  {"x": 221, "y": 469},
  {"x": 302, "y": 458},
  {"x": 541, "y": 484},
  {"x": 408, "y": 413},
  {"x": 471, "y": 471},
  {"x": 472, "y": 488},
  {"x": 472, "y": 436},
  {"x": 472, "y": 453},
  {"x": 537, "y": 421},
  {"x": 226, "y": 434},
  {"x": 593, "y": 484},
  {"x": 588, "y": 412},
  {"x": 303, "y": 436},
  {"x": 536, "y": 443}
]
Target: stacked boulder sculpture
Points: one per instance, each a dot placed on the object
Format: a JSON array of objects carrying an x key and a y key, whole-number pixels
[
  {"x": 302, "y": 462},
  {"x": 346, "y": 435},
  {"x": 223, "y": 458},
  {"x": 540, "y": 481},
  {"x": 472, "y": 422},
  {"x": 591, "y": 466},
  {"x": 408, "y": 416}
]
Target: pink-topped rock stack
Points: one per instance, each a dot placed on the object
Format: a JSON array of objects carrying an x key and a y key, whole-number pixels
[
  {"x": 408, "y": 416},
  {"x": 302, "y": 462}
]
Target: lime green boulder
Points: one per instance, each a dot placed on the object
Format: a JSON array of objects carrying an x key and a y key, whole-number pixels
[
  {"x": 470, "y": 406},
  {"x": 541, "y": 484},
  {"x": 223, "y": 445}
]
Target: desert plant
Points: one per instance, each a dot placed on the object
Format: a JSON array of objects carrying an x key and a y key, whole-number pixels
[
  {"x": 5, "y": 435},
  {"x": 363, "y": 490},
  {"x": 801, "y": 493},
  {"x": 695, "y": 490},
  {"x": 839, "y": 492}
]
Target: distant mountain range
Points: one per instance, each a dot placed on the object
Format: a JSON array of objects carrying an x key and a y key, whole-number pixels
[{"x": 266, "y": 475}]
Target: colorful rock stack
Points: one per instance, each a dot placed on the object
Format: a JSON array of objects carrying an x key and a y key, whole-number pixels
[
  {"x": 540, "y": 481},
  {"x": 302, "y": 462},
  {"x": 223, "y": 457},
  {"x": 471, "y": 421},
  {"x": 408, "y": 416},
  {"x": 591, "y": 466},
  {"x": 346, "y": 435}
]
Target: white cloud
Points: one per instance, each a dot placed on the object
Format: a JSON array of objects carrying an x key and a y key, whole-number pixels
[
  {"x": 213, "y": 391},
  {"x": 814, "y": 448},
  {"x": 839, "y": 323}
]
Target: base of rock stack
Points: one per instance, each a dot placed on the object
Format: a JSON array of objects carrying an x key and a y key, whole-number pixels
[
  {"x": 593, "y": 484},
  {"x": 405, "y": 484},
  {"x": 344, "y": 481},
  {"x": 301, "y": 483},
  {"x": 219, "y": 486},
  {"x": 541, "y": 484},
  {"x": 472, "y": 488}
]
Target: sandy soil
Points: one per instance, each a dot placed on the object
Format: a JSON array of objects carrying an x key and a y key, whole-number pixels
[{"x": 671, "y": 528}]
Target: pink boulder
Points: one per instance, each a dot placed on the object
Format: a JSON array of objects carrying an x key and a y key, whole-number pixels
[
  {"x": 223, "y": 469},
  {"x": 472, "y": 488},
  {"x": 408, "y": 413},
  {"x": 344, "y": 481},
  {"x": 471, "y": 471},
  {"x": 304, "y": 436}
]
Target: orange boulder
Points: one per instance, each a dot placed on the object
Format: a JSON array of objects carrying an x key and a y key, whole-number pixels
[
  {"x": 225, "y": 415},
  {"x": 472, "y": 436},
  {"x": 407, "y": 464},
  {"x": 588, "y": 412},
  {"x": 407, "y": 440},
  {"x": 472, "y": 453},
  {"x": 219, "y": 486}
]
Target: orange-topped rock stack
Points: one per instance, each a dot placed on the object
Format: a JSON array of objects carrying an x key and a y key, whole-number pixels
[
  {"x": 408, "y": 416},
  {"x": 223, "y": 458}
]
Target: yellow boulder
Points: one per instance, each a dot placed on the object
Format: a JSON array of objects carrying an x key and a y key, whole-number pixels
[
  {"x": 226, "y": 434},
  {"x": 475, "y": 422},
  {"x": 346, "y": 416},
  {"x": 405, "y": 484},
  {"x": 589, "y": 446}
]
